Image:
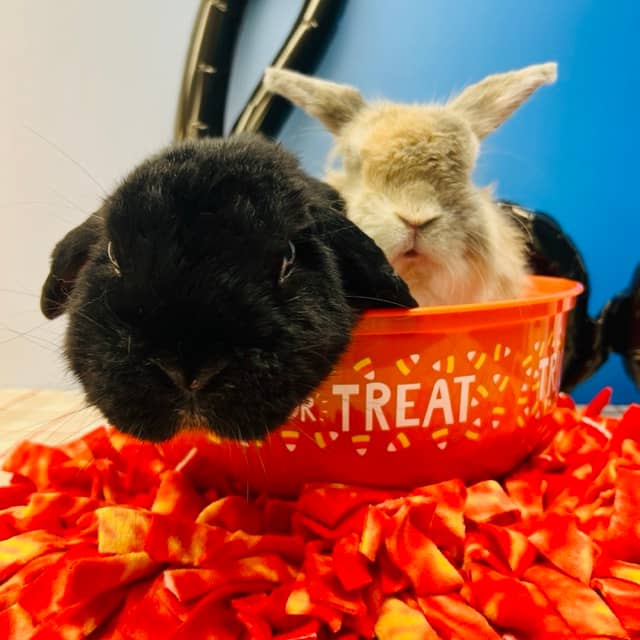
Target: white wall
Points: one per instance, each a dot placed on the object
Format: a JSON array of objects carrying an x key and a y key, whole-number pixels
[{"x": 87, "y": 88}]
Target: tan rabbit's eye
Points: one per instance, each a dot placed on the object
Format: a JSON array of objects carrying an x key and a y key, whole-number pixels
[
  {"x": 287, "y": 263},
  {"x": 112, "y": 259}
]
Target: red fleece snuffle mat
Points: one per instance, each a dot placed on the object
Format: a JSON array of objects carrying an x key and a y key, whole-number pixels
[{"x": 107, "y": 537}]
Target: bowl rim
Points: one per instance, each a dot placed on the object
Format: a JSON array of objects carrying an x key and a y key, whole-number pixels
[
  {"x": 545, "y": 296},
  {"x": 560, "y": 288}
]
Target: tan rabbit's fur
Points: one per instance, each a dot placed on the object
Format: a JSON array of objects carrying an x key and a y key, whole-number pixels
[{"x": 406, "y": 179}]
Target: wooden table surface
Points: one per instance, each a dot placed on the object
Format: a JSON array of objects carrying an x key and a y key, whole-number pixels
[{"x": 43, "y": 415}]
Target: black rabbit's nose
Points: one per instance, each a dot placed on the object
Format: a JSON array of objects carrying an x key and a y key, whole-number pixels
[
  {"x": 191, "y": 382},
  {"x": 206, "y": 373}
]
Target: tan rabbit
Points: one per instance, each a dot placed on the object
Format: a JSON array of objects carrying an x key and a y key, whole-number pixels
[{"x": 406, "y": 179}]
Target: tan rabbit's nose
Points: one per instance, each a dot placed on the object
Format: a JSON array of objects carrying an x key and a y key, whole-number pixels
[
  {"x": 415, "y": 222},
  {"x": 193, "y": 382}
]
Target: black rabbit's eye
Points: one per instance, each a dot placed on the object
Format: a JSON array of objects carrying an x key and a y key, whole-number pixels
[
  {"x": 112, "y": 259},
  {"x": 287, "y": 263}
]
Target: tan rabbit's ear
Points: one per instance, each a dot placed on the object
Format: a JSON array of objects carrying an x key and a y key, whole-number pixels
[
  {"x": 487, "y": 104},
  {"x": 331, "y": 103}
]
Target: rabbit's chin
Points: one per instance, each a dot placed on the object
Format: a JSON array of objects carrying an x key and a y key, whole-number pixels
[{"x": 435, "y": 283}]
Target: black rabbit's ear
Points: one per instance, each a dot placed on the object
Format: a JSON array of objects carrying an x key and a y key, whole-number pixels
[
  {"x": 68, "y": 257},
  {"x": 368, "y": 279}
]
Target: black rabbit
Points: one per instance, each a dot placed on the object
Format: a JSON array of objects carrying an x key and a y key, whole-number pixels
[{"x": 217, "y": 287}]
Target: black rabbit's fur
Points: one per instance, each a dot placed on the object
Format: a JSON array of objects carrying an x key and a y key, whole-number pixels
[{"x": 180, "y": 271}]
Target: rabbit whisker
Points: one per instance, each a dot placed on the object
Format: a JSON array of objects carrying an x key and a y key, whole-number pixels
[
  {"x": 63, "y": 153},
  {"x": 372, "y": 299}
]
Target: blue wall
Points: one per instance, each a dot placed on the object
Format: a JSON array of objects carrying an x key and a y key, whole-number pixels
[{"x": 571, "y": 150}]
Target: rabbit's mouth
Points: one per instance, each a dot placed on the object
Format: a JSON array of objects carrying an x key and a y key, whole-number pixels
[
  {"x": 414, "y": 261},
  {"x": 192, "y": 418},
  {"x": 409, "y": 256}
]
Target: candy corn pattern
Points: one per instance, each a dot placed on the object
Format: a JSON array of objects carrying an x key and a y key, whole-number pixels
[
  {"x": 440, "y": 437},
  {"x": 476, "y": 359},
  {"x": 322, "y": 439},
  {"x": 253, "y": 443},
  {"x": 365, "y": 367},
  {"x": 466, "y": 394},
  {"x": 290, "y": 438},
  {"x": 447, "y": 365},
  {"x": 406, "y": 365},
  {"x": 500, "y": 351},
  {"x": 401, "y": 441},
  {"x": 361, "y": 442}
]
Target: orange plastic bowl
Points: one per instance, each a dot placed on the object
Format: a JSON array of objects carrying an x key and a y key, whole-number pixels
[{"x": 422, "y": 396}]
